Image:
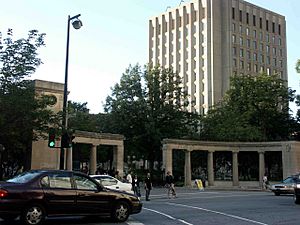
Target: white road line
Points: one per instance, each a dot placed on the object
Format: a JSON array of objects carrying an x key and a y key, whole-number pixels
[
  {"x": 168, "y": 216},
  {"x": 224, "y": 214}
]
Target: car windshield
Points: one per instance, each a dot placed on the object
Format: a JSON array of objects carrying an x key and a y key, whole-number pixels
[{"x": 23, "y": 177}]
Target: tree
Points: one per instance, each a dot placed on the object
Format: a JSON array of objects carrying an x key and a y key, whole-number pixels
[
  {"x": 21, "y": 111},
  {"x": 147, "y": 106},
  {"x": 255, "y": 108}
]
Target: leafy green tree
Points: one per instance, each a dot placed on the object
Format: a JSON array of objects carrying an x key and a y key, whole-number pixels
[
  {"x": 21, "y": 111},
  {"x": 255, "y": 108},
  {"x": 147, "y": 106}
]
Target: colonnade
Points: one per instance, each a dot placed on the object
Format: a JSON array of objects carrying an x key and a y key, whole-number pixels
[{"x": 211, "y": 147}]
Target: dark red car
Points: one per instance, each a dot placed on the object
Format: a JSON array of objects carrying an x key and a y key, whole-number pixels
[{"x": 37, "y": 194}]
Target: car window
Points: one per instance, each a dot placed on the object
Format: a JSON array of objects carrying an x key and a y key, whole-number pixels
[
  {"x": 108, "y": 181},
  {"x": 83, "y": 183},
  {"x": 60, "y": 181},
  {"x": 24, "y": 177}
]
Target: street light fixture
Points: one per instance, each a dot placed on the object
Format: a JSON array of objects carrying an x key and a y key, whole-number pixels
[{"x": 77, "y": 24}]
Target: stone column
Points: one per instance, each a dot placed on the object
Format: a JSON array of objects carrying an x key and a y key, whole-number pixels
[
  {"x": 93, "y": 159},
  {"x": 167, "y": 158},
  {"x": 235, "y": 168},
  {"x": 187, "y": 169},
  {"x": 119, "y": 159},
  {"x": 261, "y": 166},
  {"x": 210, "y": 168},
  {"x": 69, "y": 162}
]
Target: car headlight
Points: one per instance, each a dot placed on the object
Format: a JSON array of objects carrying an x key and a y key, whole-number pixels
[{"x": 298, "y": 186}]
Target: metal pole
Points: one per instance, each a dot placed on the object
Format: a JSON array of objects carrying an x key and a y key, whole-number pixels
[{"x": 65, "y": 100}]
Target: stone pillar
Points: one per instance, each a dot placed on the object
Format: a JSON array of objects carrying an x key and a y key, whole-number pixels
[
  {"x": 210, "y": 168},
  {"x": 235, "y": 168},
  {"x": 187, "y": 169},
  {"x": 93, "y": 159},
  {"x": 119, "y": 159},
  {"x": 69, "y": 153},
  {"x": 167, "y": 158},
  {"x": 261, "y": 166}
]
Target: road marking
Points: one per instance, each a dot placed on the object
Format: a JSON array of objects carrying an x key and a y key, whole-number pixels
[
  {"x": 134, "y": 223},
  {"x": 224, "y": 214},
  {"x": 168, "y": 216}
]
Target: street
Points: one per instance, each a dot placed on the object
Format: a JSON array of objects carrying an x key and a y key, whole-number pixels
[{"x": 209, "y": 207}]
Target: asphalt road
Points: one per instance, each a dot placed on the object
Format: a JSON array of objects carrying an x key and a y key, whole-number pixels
[{"x": 206, "y": 208}]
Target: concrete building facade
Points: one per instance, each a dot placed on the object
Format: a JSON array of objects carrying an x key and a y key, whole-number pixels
[{"x": 207, "y": 41}]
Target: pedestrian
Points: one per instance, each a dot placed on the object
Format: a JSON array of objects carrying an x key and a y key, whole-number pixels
[
  {"x": 170, "y": 185},
  {"x": 129, "y": 177},
  {"x": 136, "y": 186},
  {"x": 148, "y": 186},
  {"x": 265, "y": 182}
]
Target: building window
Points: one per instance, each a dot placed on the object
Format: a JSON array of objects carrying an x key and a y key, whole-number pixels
[
  {"x": 249, "y": 55},
  {"x": 241, "y": 64},
  {"x": 241, "y": 41},
  {"x": 279, "y": 41},
  {"x": 254, "y": 44},
  {"x": 280, "y": 52},
  {"x": 273, "y": 27},
  {"x": 248, "y": 66},
  {"x": 241, "y": 29},
  {"x": 233, "y": 13},
  {"x": 247, "y": 18},
  {"x": 274, "y": 51},
  {"x": 234, "y": 62},
  {"x": 254, "y": 33},
  {"x": 233, "y": 27},
  {"x": 260, "y": 23},
  {"x": 247, "y": 31},
  {"x": 268, "y": 60},
  {"x": 267, "y": 25},
  {"x": 255, "y": 56},
  {"x": 281, "y": 63},
  {"x": 268, "y": 49},
  {"x": 267, "y": 38},
  {"x": 254, "y": 20},
  {"x": 273, "y": 40},
  {"x": 241, "y": 16},
  {"x": 255, "y": 68},
  {"x": 260, "y": 36},
  {"x": 268, "y": 71},
  {"x": 261, "y": 47},
  {"x": 233, "y": 38},
  {"x": 274, "y": 62},
  {"x": 261, "y": 58},
  {"x": 261, "y": 69},
  {"x": 248, "y": 43},
  {"x": 241, "y": 53},
  {"x": 234, "y": 51},
  {"x": 279, "y": 29}
]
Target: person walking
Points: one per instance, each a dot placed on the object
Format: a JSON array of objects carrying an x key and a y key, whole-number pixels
[
  {"x": 170, "y": 185},
  {"x": 148, "y": 186},
  {"x": 136, "y": 186},
  {"x": 129, "y": 177}
]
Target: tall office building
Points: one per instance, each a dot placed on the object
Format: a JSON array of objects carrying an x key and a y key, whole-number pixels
[{"x": 207, "y": 41}]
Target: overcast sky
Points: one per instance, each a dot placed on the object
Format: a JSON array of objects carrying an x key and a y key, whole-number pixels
[{"x": 114, "y": 35}]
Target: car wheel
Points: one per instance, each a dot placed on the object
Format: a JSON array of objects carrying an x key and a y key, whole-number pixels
[
  {"x": 296, "y": 199},
  {"x": 277, "y": 193},
  {"x": 33, "y": 215},
  {"x": 121, "y": 211}
]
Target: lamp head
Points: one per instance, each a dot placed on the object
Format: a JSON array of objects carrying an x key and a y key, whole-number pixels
[{"x": 77, "y": 24}]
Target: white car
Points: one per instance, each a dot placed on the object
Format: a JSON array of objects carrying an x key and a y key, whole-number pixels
[{"x": 113, "y": 183}]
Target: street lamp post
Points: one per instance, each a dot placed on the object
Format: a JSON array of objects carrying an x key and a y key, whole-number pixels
[{"x": 77, "y": 24}]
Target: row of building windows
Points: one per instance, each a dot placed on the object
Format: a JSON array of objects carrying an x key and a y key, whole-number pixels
[
  {"x": 267, "y": 40},
  {"x": 269, "y": 26},
  {"x": 274, "y": 52}
]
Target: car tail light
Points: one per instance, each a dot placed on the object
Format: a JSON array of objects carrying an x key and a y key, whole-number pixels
[{"x": 3, "y": 193}]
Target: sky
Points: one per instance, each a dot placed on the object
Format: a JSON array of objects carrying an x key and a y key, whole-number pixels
[{"x": 114, "y": 35}]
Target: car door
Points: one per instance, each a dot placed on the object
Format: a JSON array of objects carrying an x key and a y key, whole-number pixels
[
  {"x": 59, "y": 194},
  {"x": 91, "y": 197}
]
